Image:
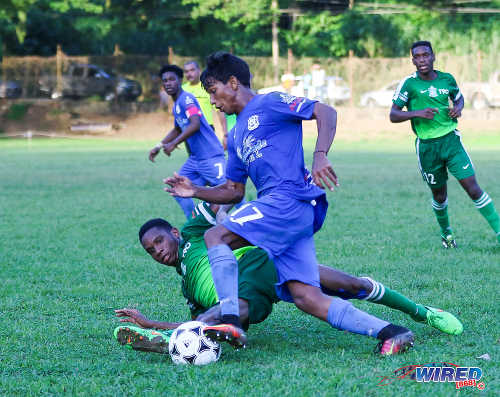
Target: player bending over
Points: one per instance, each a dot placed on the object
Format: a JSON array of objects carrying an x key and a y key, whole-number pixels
[
  {"x": 439, "y": 146},
  {"x": 186, "y": 251}
]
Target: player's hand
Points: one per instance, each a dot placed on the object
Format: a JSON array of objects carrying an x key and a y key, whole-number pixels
[
  {"x": 133, "y": 316},
  {"x": 427, "y": 113},
  {"x": 455, "y": 112},
  {"x": 169, "y": 148},
  {"x": 153, "y": 153},
  {"x": 180, "y": 186},
  {"x": 323, "y": 173}
]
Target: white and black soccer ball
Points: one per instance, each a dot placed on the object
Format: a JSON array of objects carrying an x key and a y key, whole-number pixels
[{"x": 188, "y": 345}]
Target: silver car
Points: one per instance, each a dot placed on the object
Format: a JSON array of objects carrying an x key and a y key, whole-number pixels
[
  {"x": 10, "y": 89},
  {"x": 382, "y": 97}
]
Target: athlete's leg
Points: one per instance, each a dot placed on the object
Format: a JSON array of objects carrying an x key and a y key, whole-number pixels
[
  {"x": 213, "y": 315},
  {"x": 220, "y": 242},
  {"x": 189, "y": 170},
  {"x": 483, "y": 203},
  {"x": 337, "y": 283},
  {"x": 343, "y": 315},
  {"x": 440, "y": 208}
]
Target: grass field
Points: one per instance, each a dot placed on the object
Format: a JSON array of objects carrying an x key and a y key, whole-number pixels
[{"x": 69, "y": 254}]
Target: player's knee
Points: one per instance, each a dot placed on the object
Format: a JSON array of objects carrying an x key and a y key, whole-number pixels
[
  {"x": 306, "y": 299},
  {"x": 440, "y": 197},
  {"x": 213, "y": 236}
]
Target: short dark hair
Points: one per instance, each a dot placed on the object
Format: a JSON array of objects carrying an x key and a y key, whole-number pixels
[
  {"x": 221, "y": 66},
  {"x": 192, "y": 62},
  {"x": 172, "y": 68},
  {"x": 157, "y": 222},
  {"x": 421, "y": 44}
]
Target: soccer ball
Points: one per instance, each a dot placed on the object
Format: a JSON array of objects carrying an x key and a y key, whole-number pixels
[{"x": 188, "y": 345}]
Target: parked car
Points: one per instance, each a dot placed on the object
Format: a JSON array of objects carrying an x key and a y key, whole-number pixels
[
  {"x": 10, "y": 89},
  {"x": 336, "y": 90},
  {"x": 381, "y": 97},
  {"x": 483, "y": 95},
  {"x": 84, "y": 80}
]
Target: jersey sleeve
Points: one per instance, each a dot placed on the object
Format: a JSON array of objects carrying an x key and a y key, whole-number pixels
[
  {"x": 289, "y": 106},
  {"x": 455, "y": 93},
  {"x": 191, "y": 106},
  {"x": 400, "y": 97},
  {"x": 235, "y": 169},
  {"x": 203, "y": 218}
]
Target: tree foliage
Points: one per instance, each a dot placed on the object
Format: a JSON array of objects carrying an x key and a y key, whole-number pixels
[{"x": 198, "y": 27}]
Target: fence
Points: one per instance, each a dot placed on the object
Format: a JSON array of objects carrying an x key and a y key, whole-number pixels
[{"x": 361, "y": 74}]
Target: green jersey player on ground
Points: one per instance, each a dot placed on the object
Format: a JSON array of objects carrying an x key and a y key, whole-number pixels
[
  {"x": 426, "y": 95},
  {"x": 187, "y": 252}
]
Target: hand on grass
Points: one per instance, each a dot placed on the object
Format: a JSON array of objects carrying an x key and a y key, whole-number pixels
[{"x": 133, "y": 316}]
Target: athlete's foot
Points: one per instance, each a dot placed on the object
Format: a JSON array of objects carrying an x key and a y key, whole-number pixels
[
  {"x": 443, "y": 321},
  {"x": 396, "y": 344},
  {"x": 147, "y": 340},
  {"x": 226, "y": 333},
  {"x": 448, "y": 241}
]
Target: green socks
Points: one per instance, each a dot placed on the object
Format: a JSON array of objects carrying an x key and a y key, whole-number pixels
[
  {"x": 485, "y": 206},
  {"x": 385, "y": 296},
  {"x": 441, "y": 212}
]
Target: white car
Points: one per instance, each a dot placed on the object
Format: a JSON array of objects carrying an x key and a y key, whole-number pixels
[
  {"x": 382, "y": 97},
  {"x": 335, "y": 91}
]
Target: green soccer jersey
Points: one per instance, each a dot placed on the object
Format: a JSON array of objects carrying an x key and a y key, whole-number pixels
[
  {"x": 418, "y": 94},
  {"x": 197, "y": 283},
  {"x": 203, "y": 99}
]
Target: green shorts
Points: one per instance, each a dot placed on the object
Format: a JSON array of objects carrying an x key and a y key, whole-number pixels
[
  {"x": 436, "y": 155},
  {"x": 256, "y": 280}
]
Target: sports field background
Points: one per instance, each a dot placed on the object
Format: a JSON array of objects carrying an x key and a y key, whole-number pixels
[{"x": 69, "y": 254}]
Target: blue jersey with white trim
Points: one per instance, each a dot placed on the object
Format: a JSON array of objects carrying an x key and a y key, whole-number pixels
[
  {"x": 266, "y": 145},
  {"x": 203, "y": 144}
]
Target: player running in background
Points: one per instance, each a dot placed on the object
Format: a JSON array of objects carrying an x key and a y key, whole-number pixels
[
  {"x": 186, "y": 251},
  {"x": 266, "y": 145},
  {"x": 439, "y": 147},
  {"x": 206, "y": 162}
]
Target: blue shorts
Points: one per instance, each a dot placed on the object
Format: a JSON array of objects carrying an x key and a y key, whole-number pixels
[
  {"x": 283, "y": 227},
  {"x": 211, "y": 172}
]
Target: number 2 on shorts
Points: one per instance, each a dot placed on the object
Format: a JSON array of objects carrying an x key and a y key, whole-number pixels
[
  {"x": 430, "y": 179},
  {"x": 256, "y": 215}
]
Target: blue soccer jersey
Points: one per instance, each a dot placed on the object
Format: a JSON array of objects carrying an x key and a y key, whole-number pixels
[
  {"x": 204, "y": 144},
  {"x": 266, "y": 145}
]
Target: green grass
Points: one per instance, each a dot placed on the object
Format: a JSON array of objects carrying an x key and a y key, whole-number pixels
[{"x": 70, "y": 212}]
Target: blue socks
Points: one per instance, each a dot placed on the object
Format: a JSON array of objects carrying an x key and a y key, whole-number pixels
[
  {"x": 225, "y": 274},
  {"x": 344, "y": 316},
  {"x": 187, "y": 205}
]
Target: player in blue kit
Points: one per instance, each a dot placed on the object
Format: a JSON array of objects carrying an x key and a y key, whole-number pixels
[
  {"x": 206, "y": 163},
  {"x": 266, "y": 145}
]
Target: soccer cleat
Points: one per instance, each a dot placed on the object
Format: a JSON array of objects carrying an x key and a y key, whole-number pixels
[
  {"x": 448, "y": 241},
  {"x": 146, "y": 340},
  {"x": 226, "y": 333},
  {"x": 443, "y": 321},
  {"x": 395, "y": 345}
]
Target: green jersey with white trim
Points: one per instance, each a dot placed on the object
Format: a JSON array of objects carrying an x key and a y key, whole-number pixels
[
  {"x": 197, "y": 283},
  {"x": 418, "y": 94}
]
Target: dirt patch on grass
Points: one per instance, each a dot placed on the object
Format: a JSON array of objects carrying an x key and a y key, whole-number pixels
[{"x": 129, "y": 122}]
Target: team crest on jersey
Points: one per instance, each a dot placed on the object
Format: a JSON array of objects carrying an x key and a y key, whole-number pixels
[
  {"x": 253, "y": 122},
  {"x": 251, "y": 149},
  {"x": 288, "y": 99},
  {"x": 433, "y": 91},
  {"x": 189, "y": 100}
]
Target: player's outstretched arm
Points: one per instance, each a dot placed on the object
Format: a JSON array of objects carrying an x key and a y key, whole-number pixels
[
  {"x": 322, "y": 171},
  {"x": 165, "y": 141},
  {"x": 136, "y": 317},
  {"x": 227, "y": 193},
  {"x": 398, "y": 115},
  {"x": 192, "y": 128}
]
